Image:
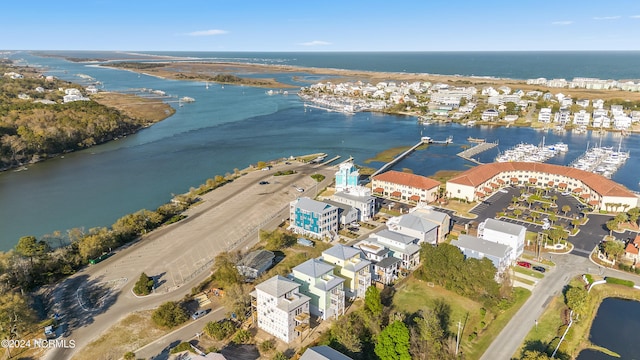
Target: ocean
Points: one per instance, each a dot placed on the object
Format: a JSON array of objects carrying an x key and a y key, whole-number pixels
[{"x": 235, "y": 126}]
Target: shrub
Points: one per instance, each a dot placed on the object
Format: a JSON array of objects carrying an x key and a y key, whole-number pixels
[
  {"x": 129, "y": 355},
  {"x": 143, "y": 286},
  {"x": 267, "y": 345},
  {"x": 589, "y": 278},
  {"x": 483, "y": 312},
  {"x": 612, "y": 280},
  {"x": 219, "y": 330},
  {"x": 242, "y": 337},
  {"x": 183, "y": 346},
  {"x": 169, "y": 315}
]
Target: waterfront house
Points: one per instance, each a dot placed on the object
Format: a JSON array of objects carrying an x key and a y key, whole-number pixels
[
  {"x": 563, "y": 116},
  {"x": 584, "y": 103},
  {"x": 621, "y": 122},
  {"x": 598, "y": 104},
  {"x": 582, "y": 118},
  {"x": 255, "y": 263},
  {"x": 313, "y": 218},
  {"x": 318, "y": 282},
  {"x": 323, "y": 352},
  {"x": 506, "y": 233},
  {"x": 405, "y": 187},
  {"x": 490, "y": 115},
  {"x": 281, "y": 309},
  {"x": 476, "y": 248},
  {"x": 346, "y": 213},
  {"x": 350, "y": 263},
  {"x": 544, "y": 116}
]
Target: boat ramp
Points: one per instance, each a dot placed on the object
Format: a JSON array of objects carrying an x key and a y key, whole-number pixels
[{"x": 473, "y": 151}]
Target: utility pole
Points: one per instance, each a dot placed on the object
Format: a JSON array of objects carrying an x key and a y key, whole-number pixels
[{"x": 458, "y": 338}]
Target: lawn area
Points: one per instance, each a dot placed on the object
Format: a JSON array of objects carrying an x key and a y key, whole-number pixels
[
  {"x": 388, "y": 155},
  {"x": 521, "y": 270},
  {"x": 550, "y": 325},
  {"x": 461, "y": 208},
  {"x": 129, "y": 334},
  {"x": 294, "y": 256},
  {"x": 415, "y": 294}
]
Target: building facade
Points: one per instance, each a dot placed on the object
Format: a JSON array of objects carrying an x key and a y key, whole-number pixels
[
  {"x": 313, "y": 218},
  {"x": 281, "y": 309},
  {"x": 350, "y": 264},
  {"x": 326, "y": 290},
  {"x": 405, "y": 187},
  {"x": 505, "y": 233}
]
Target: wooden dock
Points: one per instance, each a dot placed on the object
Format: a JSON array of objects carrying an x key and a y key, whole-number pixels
[
  {"x": 397, "y": 159},
  {"x": 467, "y": 154}
]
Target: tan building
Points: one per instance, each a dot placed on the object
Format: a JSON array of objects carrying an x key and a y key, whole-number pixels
[
  {"x": 596, "y": 190},
  {"x": 405, "y": 187}
]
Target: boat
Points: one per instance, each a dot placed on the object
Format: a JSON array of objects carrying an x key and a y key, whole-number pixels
[
  {"x": 475, "y": 140},
  {"x": 187, "y": 99}
]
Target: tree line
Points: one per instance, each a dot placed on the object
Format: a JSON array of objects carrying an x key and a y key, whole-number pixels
[{"x": 31, "y": 130}]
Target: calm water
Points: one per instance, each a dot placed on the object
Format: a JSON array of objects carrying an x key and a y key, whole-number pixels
[
  {"x": 224, "y": 129},
  {"x": 614, "y": 329}
]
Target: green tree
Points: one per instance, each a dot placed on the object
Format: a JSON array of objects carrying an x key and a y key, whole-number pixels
[
  {"x": 517, "y": 213},
  {"x": 242, "y": 337},
  {"x": 613, "y": 248},
  {"x": 372, "y": 301},
  {"x": 16, "y": 316},
  {"x": 576, "y": 299},
  {"x": 393, "y": 342},
  {"x": 169, "y": 314},
  {"x": 224, "y": 269},
  {"x": 634, "y": 214},
  {"x": 29, "y": 246},
  {"x": 129, "y": 355},
  {"x": 280, "y": 356},
  {"x": 219, "y": 330},
  {"x": 427, "y": 336},
  {"x": 534, "y": 355},
  {"x": 566, "y": 209},
  {"x": 612, "y": 225},
  {"x": 347, "y": 330},
  {"x": 553, "y": 218},
  {"x": 144, "y": 285}
]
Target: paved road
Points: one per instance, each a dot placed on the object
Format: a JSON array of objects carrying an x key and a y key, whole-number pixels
[
  {"x": 179, "y": 255},
  {"x": 567, "y": 267}
]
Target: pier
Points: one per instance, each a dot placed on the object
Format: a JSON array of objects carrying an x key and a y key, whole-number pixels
[
  {"x": 473, "y": 151},
  {"x": 423, "y": 140}
]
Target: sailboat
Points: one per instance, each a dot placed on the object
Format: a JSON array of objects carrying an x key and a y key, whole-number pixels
[{"x": 206, "y": 85}]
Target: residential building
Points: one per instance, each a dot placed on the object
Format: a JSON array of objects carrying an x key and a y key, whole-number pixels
[
  {"x": 621, "y": 122},
  {"x": 631, "y": 251},
  {"x": 281, "y": 309},
  {"x": 423, "y": 223},
  {"x": 403, "y": 247},
  {"x": 545, "y": 115},
  {"x": 401, "y": 186},
  {"x": 346, "y": 214},
  {"x": 476, "y": 248},
  {"x": 490, "y": 115},
  {"x": 318, "y": 282},
  {"x": 255, "y": 263},
  {"x": 323, "y": 352},
  {"x": 470, "y": 184},
  {"x": 582, "y": 118},
  {"x": 360, "y": 199},
  {"x": 386, "y": 271},
  {"x": 505, "y": 233},
  {"x": 347, "y": 176},
  {"x": 313, "y": 218},
  {"x": 563, "y": 116},
  {"x": 351, "y": 264}
]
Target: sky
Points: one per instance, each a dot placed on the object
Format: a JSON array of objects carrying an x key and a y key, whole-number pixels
[{"x": 325, "y": 25}]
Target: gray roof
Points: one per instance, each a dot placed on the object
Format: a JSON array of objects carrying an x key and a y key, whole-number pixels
[
  {"x": 409, "y": 249},
  {"x": 418, "y": 223},
  {"x": 484, "y": 246},
  {"x": 316, "y": 269},
  {"x": 277, "y": 286},
  {"x": 341, "y": 252},
  {"x": 395, "y": 236},
  {"x": 312, "y": 205},
  {"x": 323, "y": 353},
  {"x": 345, "y": 208},
  {"x": 346, "y": 195},
  {"x": 503, "y": 226},
  {"x": 433, "y": 215},
  {"x": 257, "y": 259},
  {"x": 387, "y": 262}
]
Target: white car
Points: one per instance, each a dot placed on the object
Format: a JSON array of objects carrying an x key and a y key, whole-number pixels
[
  {"x": 566, "y": 193},
  {"x": 503, "y": 191}
]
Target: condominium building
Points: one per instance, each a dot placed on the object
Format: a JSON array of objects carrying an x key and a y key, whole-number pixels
[
  {"x": 313, "y": 218},
  {"x": 281, "y": 309}
]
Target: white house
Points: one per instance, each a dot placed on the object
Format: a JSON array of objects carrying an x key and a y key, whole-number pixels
[
  {"x": 545, "y": 115},
  {"x": 582, "y": 118},
  {"x": 490, "y": 115},
  {"x": 505, "y": 233},
  {"x": 326, "y": 290},
  {"x": 476, "y": 248},
  {"x": 281, "y": 309}
]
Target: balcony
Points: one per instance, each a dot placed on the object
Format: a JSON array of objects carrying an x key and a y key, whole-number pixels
[{"x": 337, "y": 302}]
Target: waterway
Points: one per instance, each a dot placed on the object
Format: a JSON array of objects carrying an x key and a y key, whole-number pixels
[
  {"x": 614, "y": 329},
  {"x": 224, "y": 129}
]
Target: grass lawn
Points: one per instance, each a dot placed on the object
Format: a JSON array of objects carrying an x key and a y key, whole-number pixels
[
  {"x": 415, "y": 294},
  {"x": 461, "y": 208},
  {"x": 129, "y": 334},
  {"x": 521, "y": 270},
  {"x": 388, "y": 155}
]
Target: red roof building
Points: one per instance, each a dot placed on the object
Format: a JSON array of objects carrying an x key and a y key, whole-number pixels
[{"x": 405, "y": 187}]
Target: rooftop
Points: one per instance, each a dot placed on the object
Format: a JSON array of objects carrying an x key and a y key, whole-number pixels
[
  {"x": 503, "y": 226},
  {"x": 482, "y": 173},
  {"x": 484, "y": 246},
  {"x": 342, "y": 252},
  {"x": 323, "y": 353},
  {"x": 277, "y": 286},
  {"x": 308, "y": 204},
  {"x": 402, "y": 178}
]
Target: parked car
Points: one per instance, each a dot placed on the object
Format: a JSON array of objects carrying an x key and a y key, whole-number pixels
[
  {"x": 539, "y": 268},
  {"x": 263, "y": 182},
  {"x": 503, "y": 191},
  {"x": 524, "y": 264},
  {"x": 566, "y": 193},
  {"x": 198, "y": 314}
]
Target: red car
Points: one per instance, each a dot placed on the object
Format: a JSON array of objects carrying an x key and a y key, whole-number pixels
[{"x": 524, "y": 264}]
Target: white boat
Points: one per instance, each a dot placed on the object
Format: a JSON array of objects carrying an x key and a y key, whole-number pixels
[{"x": 187, "y": 99}]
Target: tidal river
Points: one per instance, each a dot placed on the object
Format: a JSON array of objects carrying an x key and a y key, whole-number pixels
[{"x": 224, "y": 129}]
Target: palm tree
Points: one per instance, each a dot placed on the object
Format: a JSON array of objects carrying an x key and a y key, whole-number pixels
[
  {"x": 535, "y": 215},
  {"x": 517, "y": 213},
  {"x": 554, "y": 198},
  {"x": 514, "y": 200},
  {"x": 553, "y": 218},
  {"x": 566, "y": 209},
  {"x": 612, "y": 225}
]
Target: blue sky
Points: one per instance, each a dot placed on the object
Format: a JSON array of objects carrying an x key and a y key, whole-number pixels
[{"x": 327, "y": 25}]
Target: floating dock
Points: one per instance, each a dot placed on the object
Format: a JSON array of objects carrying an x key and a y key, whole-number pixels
[{"x": 482, "y": 147}]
